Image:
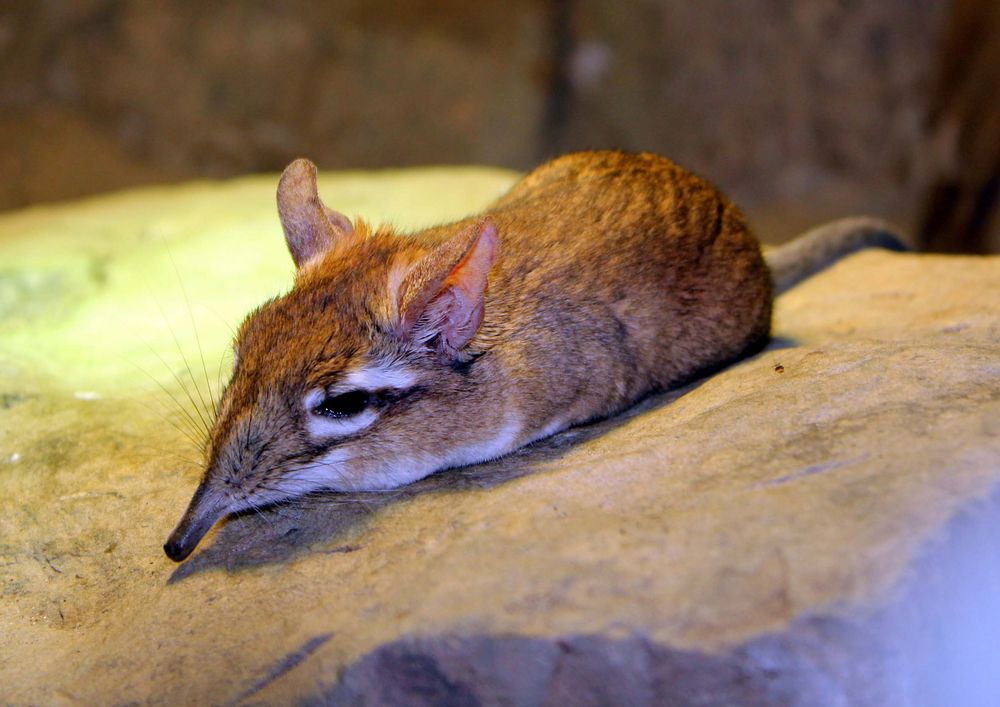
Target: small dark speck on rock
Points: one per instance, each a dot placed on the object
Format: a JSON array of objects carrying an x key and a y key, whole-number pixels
[
  {"x": 343, "y": 549},
  {"x": 779, "y": 368}
]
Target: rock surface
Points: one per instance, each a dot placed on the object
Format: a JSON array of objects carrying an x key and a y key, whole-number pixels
[{"x": 816, "y": 525}]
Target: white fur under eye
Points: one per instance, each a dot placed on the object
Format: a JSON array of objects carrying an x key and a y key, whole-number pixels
[{"x": 324, "y": 427}]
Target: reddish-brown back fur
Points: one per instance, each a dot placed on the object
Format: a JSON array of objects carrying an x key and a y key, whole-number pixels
[{"x": 654, "y": 273}]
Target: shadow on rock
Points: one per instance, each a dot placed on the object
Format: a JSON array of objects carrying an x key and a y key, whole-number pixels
[
  {"x": 780, "y": 342},
  {"x": 311, "y": 524}
]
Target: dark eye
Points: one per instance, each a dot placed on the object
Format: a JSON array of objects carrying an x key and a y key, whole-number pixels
[{"x": 343, "y": 405}]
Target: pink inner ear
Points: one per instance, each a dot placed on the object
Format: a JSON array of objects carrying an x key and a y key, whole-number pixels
[
  {"x": 449, "y": 307},
  {"x": 340, "y": 223},
  {"x": 469, "y": 276}
]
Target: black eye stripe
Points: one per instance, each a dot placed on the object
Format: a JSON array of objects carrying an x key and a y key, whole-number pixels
[{"x": 341, "y": 405}]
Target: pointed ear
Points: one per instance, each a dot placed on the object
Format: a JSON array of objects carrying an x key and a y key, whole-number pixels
[
  {"x": 310, "y": 227},
  {"x": 441, "y": 299}
]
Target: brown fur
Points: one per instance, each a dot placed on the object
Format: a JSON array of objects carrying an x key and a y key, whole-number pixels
[{"x": 618, "y": 274}]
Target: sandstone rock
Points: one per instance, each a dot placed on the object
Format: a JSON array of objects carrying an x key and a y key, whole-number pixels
[{"x": 816, "y": 525}]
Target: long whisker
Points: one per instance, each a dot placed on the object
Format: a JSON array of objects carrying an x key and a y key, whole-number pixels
[
  {"x": 196, "y": 434},
  {"x": 306, "y": 504},
  {"x": 200, "y": 431},
  {"x": 245, "y": 444},
  {"x": 218, "y": 381},
  {"x": 151, "y": 452},
  {"x": 165, "y": 413},
  {"x": 213, "y": 410},
  {"x": 278, "y": 508},
  {"x": 190, "y": 373},
  {"x": 222, "y": 319},
  {"x": 257, "y": 509},
  {"x": 196, "y": 419},
  {"x": 187, "y": 435}
]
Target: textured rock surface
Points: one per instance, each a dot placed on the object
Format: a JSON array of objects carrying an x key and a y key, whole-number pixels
[{"x": 815, "y": 525}]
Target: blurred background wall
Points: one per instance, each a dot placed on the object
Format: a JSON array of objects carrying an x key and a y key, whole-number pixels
[{"x": 800, "y": 109}]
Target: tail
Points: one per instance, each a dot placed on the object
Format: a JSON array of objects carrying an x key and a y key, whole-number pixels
[{"x": 822, "y": 246}]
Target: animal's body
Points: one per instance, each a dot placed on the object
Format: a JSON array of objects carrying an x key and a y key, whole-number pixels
[{"x": 599, "y": 278}]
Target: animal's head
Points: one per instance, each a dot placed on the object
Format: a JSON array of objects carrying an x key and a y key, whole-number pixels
[{"x": 353, "y": 379}]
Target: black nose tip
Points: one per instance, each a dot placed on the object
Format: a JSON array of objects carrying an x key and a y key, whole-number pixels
[
  {"x": 176, "y": 551},
  {"x": 198, "y": 519}
]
